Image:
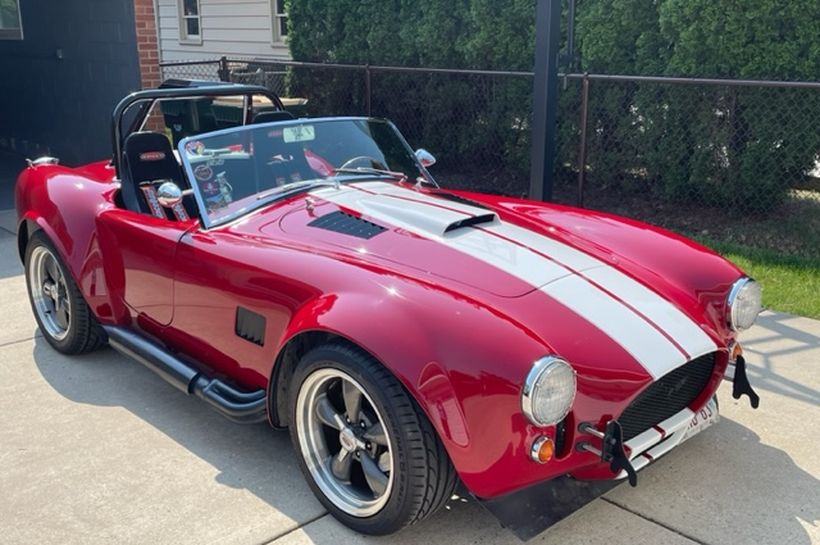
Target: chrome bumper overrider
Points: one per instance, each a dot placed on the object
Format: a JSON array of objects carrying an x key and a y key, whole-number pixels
[{"x": 627, "y": 458}]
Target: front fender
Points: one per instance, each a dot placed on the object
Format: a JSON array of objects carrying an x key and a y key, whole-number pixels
[{"x": 463, "y": 362}]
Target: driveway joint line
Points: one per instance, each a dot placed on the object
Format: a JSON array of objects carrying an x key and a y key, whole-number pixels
[
  {"x": 296, "y": 529},
  {"x": 9, "y": 231},
  {"x": 10, "y": 343},
  {"x": 655, "y": 521}
]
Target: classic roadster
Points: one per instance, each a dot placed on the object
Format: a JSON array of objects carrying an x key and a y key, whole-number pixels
[{"x": 310, "y": 273}]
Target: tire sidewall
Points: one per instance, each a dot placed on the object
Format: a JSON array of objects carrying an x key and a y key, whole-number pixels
[
  {"x": 397, "y": 511},
  {"x": 66, "y": 344}
]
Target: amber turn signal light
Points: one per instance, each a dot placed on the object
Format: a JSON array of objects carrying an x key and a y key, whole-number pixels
[
  {"x": 542, "y": 450},
  {"x": 736, "y": 351}
]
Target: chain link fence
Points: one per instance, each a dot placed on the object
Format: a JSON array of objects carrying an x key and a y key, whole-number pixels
[{"x": 729, "y": 160}]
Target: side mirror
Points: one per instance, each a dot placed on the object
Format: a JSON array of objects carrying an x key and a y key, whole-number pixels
[
  {"x": 425, "y": 158},
  {"x": 169, "y": 194}
]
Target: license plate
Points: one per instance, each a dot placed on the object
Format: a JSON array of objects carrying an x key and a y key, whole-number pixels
[{"x": 703, "y": 418}]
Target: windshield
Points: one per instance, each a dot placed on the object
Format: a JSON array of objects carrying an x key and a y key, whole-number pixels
[{"x": 235, "y": 171}]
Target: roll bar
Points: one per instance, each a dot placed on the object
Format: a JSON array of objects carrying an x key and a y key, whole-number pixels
[{"x": 204, "y": 90}]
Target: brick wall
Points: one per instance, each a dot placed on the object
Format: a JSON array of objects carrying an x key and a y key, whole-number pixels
[{"x": 146, "y": 26}]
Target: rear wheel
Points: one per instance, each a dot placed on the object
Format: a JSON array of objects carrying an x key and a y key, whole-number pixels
[
  {"x": 368, "y": 452},
  {"x": 59, "y": 308}
]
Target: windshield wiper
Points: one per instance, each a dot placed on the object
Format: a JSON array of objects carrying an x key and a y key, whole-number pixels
[
  {"x": 296, "y": 186},
  {"x": 369, "y": 171}
]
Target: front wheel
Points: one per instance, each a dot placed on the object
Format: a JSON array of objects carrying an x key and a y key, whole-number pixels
[{"x": 368, "y": 452}]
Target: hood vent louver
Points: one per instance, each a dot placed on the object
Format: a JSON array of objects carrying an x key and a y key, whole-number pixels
[{"x": 347, "y": 224}]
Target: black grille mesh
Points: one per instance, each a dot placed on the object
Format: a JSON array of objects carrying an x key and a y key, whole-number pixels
[
  {"x": 341, "y": 222},
  {"x": 667, "y": 396}
]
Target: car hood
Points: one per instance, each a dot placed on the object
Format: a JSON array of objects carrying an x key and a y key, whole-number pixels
[
  {"x": 506, "y": 247},
  {"x": 555, "y": 270}
]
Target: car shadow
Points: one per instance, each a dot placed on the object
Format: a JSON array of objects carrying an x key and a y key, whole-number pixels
[
  {"x": 726, "y": 486},
  {"x": 773, "y": 327},
  {"x": 254, "y": 458},
  {"x": 724, "y": 479}
]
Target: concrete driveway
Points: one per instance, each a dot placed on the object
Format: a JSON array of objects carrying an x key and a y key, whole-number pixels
[{"x": 96, "y": 449}]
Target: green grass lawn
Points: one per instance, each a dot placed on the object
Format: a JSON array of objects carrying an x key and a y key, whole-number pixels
[{"x": 791, "y": 283}]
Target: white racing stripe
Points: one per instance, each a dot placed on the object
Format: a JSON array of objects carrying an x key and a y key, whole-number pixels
[
  {"x": 426, "y": 221},
  {"x": 635, "y": 317},
  {"x": 655, "y": 308}
]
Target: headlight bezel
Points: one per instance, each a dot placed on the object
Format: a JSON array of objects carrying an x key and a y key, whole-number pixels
[
  {"x": 543, "y": 367},
  {"x": 731, "y": 300}
]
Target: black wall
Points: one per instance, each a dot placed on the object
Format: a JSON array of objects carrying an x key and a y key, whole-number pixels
[{"x": 63, "y": 105}]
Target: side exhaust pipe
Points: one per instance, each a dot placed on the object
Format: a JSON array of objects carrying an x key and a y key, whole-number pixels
[{"x": 236, "y": 405}]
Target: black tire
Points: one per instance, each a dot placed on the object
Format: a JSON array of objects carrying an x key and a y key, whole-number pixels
[
  {"x": 424, "y": 477},
  {"x": 84, "y": 333}
]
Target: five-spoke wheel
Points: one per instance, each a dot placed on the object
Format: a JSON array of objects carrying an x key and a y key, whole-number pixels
[
  {"x": 59, "y": 308},
  {"x": 368, "y": 451},
  {"x": 343, "y": 434},
  {"x": 49, "y": 292}
]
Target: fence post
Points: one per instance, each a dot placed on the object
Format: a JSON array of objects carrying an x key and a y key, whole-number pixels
[
  {"x": 224, "y": 71},
  {"x": 368, "y": 89},
  {"x": 545, "y": 98},
  {"x": 582, "y": 147}
]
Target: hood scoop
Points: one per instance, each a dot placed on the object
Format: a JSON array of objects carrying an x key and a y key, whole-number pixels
[
  {"x": 489, "y": 217},
  {"x": 419, "y": 216}
]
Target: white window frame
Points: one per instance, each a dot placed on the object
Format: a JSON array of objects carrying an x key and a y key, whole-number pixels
[
  {"x": 14, "y": 33},
  {"x": 184, "y": 37},
  {"x": 277, "y": 40}
]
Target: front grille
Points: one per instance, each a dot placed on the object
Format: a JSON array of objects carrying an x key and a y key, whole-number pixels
[{"x": 667, "y": 396}]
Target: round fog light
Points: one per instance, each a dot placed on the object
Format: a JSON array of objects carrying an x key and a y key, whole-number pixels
[{"x": 542, "y": 450}]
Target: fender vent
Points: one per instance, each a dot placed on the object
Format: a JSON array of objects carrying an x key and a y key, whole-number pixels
[
  {"x": 250, "y": 326},
  {"x": 347, "y": 224}
]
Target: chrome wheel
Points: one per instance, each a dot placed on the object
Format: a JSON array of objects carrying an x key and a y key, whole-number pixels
[
  {"x": 344, "y": 442},
  {"x": 49, "y": 293}
]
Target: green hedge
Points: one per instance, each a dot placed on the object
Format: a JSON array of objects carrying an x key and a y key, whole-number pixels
[{"x": 716, "y": 145}]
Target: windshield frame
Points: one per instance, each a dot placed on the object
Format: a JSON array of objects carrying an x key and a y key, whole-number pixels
[{"x": 207, "y": 223}]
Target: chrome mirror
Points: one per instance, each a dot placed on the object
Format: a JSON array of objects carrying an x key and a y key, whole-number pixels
[
  {"x": 425, "y": 158},
  {"x": 169, "y": 194}
]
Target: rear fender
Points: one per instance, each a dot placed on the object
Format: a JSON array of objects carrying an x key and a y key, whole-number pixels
[{"x": 64, "y": 204}]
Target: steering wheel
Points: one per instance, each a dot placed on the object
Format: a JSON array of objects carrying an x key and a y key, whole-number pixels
[{"x": 371, "y": 163}]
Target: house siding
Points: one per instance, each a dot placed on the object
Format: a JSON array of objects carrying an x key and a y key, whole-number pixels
[{"x": 233, "y": 28}]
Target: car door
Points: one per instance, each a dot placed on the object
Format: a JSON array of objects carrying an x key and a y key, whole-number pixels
[
  {"x": 231, "y": 305},
  {"x": 139, "y": 253}
]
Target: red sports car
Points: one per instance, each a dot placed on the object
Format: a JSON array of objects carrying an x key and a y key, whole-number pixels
[{"x": 311, "y": 273}]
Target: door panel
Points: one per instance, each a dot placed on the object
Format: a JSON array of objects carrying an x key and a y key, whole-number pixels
[
  {"x": 214, "y": 278},
  {"x": 139, "y": 252}
]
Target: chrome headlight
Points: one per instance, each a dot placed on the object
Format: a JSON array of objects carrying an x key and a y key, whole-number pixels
[
  {"x": 548, "y": 391},
  {"x": 744, "y": 304}
]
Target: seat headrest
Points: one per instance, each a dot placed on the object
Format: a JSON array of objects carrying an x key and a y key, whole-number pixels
[{"x": 148, "y": 147}]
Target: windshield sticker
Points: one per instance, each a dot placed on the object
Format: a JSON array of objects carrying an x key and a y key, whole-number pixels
[
  {"x": 203, "y": 173},
  {"x": 195, "y": 147},
  {"x": 299, "y": 133}
]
